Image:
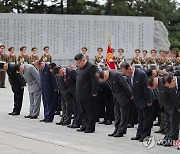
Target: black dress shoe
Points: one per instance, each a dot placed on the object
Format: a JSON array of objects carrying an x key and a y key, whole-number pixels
[
  {"x": 59, "y": 123},
  {"x": 10, "y": 113},
  {"x": 15, "y": 113},
  {"x": 141, "y": 140},
  {"x": 103, "y": 122},
  {"x": 108, "y": 122},
  {"x": 73, "y": 126},
  {"x": 156, "y": 124},
  {"x": 43, "y": 120},
  {"x": 34, "y": 117},
  {"x": 159, "y": 131},
  {"x": 48, "y": 121},
  {"x": 118, "y": 135},
  {"x": 57, "y": 113},
  {"x": 82, "y": 129},
  {"x": 135, "y": 138},
  {"x": 112, "y": 134},
  {"x": 28, "y": 116},
  {"x": 92, "y": 131},
  {"x": 130, "y": 126}
]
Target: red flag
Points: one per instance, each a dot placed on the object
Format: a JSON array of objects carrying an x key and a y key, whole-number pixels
[{"x": 109, "y": 58}]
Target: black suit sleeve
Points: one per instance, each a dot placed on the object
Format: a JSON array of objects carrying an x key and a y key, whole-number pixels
[
  {"x": 147, "y": 91},
  {"x": 93, "y": 78},
  {"x": 20, "y": 79},
  {"x": 74, "y": 74},
  {"x": 175, "y": 97},
  {"x": 120, "y": 79}
]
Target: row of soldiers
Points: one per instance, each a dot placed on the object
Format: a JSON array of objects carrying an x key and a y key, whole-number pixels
[
  {"x": 163, "y": 61},
  {"x": 22, "y": 58}
]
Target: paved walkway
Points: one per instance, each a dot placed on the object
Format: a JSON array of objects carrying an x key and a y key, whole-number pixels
[{"x": 24, "y": 136}]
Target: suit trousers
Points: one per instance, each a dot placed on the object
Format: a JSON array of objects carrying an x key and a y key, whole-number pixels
[
  {"x": 18, "y": 98},
  {"x": 145, "y": 116},
  {"x": 2, "y": 79},
  {"x": 35, "y": 102},
  {"x": 89, "y": 113},
  {"x": 77, "y": 115},
  {"x": 67, "y": 108},
  {"x": 121, "y": 114},
  {"x": 49, "y": 105},
  {"x": 172, "y": 120}
]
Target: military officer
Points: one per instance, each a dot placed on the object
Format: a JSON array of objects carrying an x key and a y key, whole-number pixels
[
  {"x": 99, "y": 60},
  {"x": 162, "y": 59},
  {"x": 23, "y": 57},
  {"x": 84, "y": 52},
  {"x": 34, "y": 56},
  {"x": 120, "y": 58},
  {"x": 136, "y": 61},
  {"x": 144, "y": 60},
  {"x": 152, "y": 60},
  {"x": 46, "y": 57},
  {"x": 177, "y": 61},
  {"x": 11, "y": 56}
]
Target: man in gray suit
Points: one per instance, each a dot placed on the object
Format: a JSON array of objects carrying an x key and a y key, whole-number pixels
[
  {"x": 32, "y": 78},
  {"x": 122, "y": 95}
]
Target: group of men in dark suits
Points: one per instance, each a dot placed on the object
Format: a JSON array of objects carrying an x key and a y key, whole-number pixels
[{"x": 79, "y": 89}]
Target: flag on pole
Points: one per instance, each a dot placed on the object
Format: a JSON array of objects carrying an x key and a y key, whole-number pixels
[{"x": 109, "y": 55}]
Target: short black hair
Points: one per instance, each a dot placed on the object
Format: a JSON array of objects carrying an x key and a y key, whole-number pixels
[
  {"x": 125, "y": 65},
  {"x": 149, "y": 72},
  {"x": 177, "y": 73},
  {"x": 167, "y": 79},
  {"x": 52, "y": 65},
  {"x": 1, "y": 65},
  {"x": 79, "y": 56},
  {"x": 101, "y": 74},
  {"x": 56, "y": 69},
  {"x": 150, "y": 81}
]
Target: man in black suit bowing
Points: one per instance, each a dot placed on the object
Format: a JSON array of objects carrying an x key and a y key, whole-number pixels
[
  {"x": 17, "y": 82},
  {"x": 67, "y": 85},
  {"x": 168, "y": 98},
  {"x": 122, "y": 95},
  {"x": 142, "y": 98},
  {"x": 86, "y": 92}
]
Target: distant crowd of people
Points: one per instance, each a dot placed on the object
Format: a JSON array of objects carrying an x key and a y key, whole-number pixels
[{"x": 134, "y": 93}]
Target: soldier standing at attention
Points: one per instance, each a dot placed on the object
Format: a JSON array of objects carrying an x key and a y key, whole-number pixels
[
  {"x": 3, "y": 57},
  {"x": 144, "y": 60},
  {"x": 84, "y": 52},
  {"x": 120, "y": 58},
  {"x": 11, "y": 56},
  {"x": 136, "y": 61},
  {"x": 152, "y": 61},
  {"x": 99, "y": 59},
  {"x": 46, "y": 57},
  {"x": 162, "y": 59},
  {"x": 34, "y": 55},
  {"x": 23, "y": 57}
]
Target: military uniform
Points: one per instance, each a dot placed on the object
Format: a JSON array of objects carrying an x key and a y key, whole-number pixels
[
  {"x": 119, "y": 60},
  {"x": 3, "y": 57},
  {"x": 161, "y": 62},
  {"x": 99, "y": 62},
  {"x": 47, "y": 58},
  {"x": 144, "y": 62},
  {"x": 169, "y": 61},
  {"x": 11, "y": 58},
  {"x": 152, "y": 63},
  {"x": 23, "y": 59},
  {"x": 177, "y": 61},
  {"x": 33, "y": 58},
  {"x": 136, "y": 62}
]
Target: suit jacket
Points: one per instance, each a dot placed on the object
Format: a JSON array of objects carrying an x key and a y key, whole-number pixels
[
  {"x": 120, "y": 88},
  {"x": 178, "y": 82},
  {"x": 48, "y": 81},
  {"x": 15, "y": 79},
  {"x": 68, "y": 82},
  {"x": 142, "y": 95},
  {"x": 32, "y": 78},
  {"x": 86, "y": 82},
  {"x": 167, "y": 97}
]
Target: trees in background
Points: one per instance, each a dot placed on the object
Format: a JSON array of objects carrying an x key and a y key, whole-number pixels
[{"x": 168, "y": 11}]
